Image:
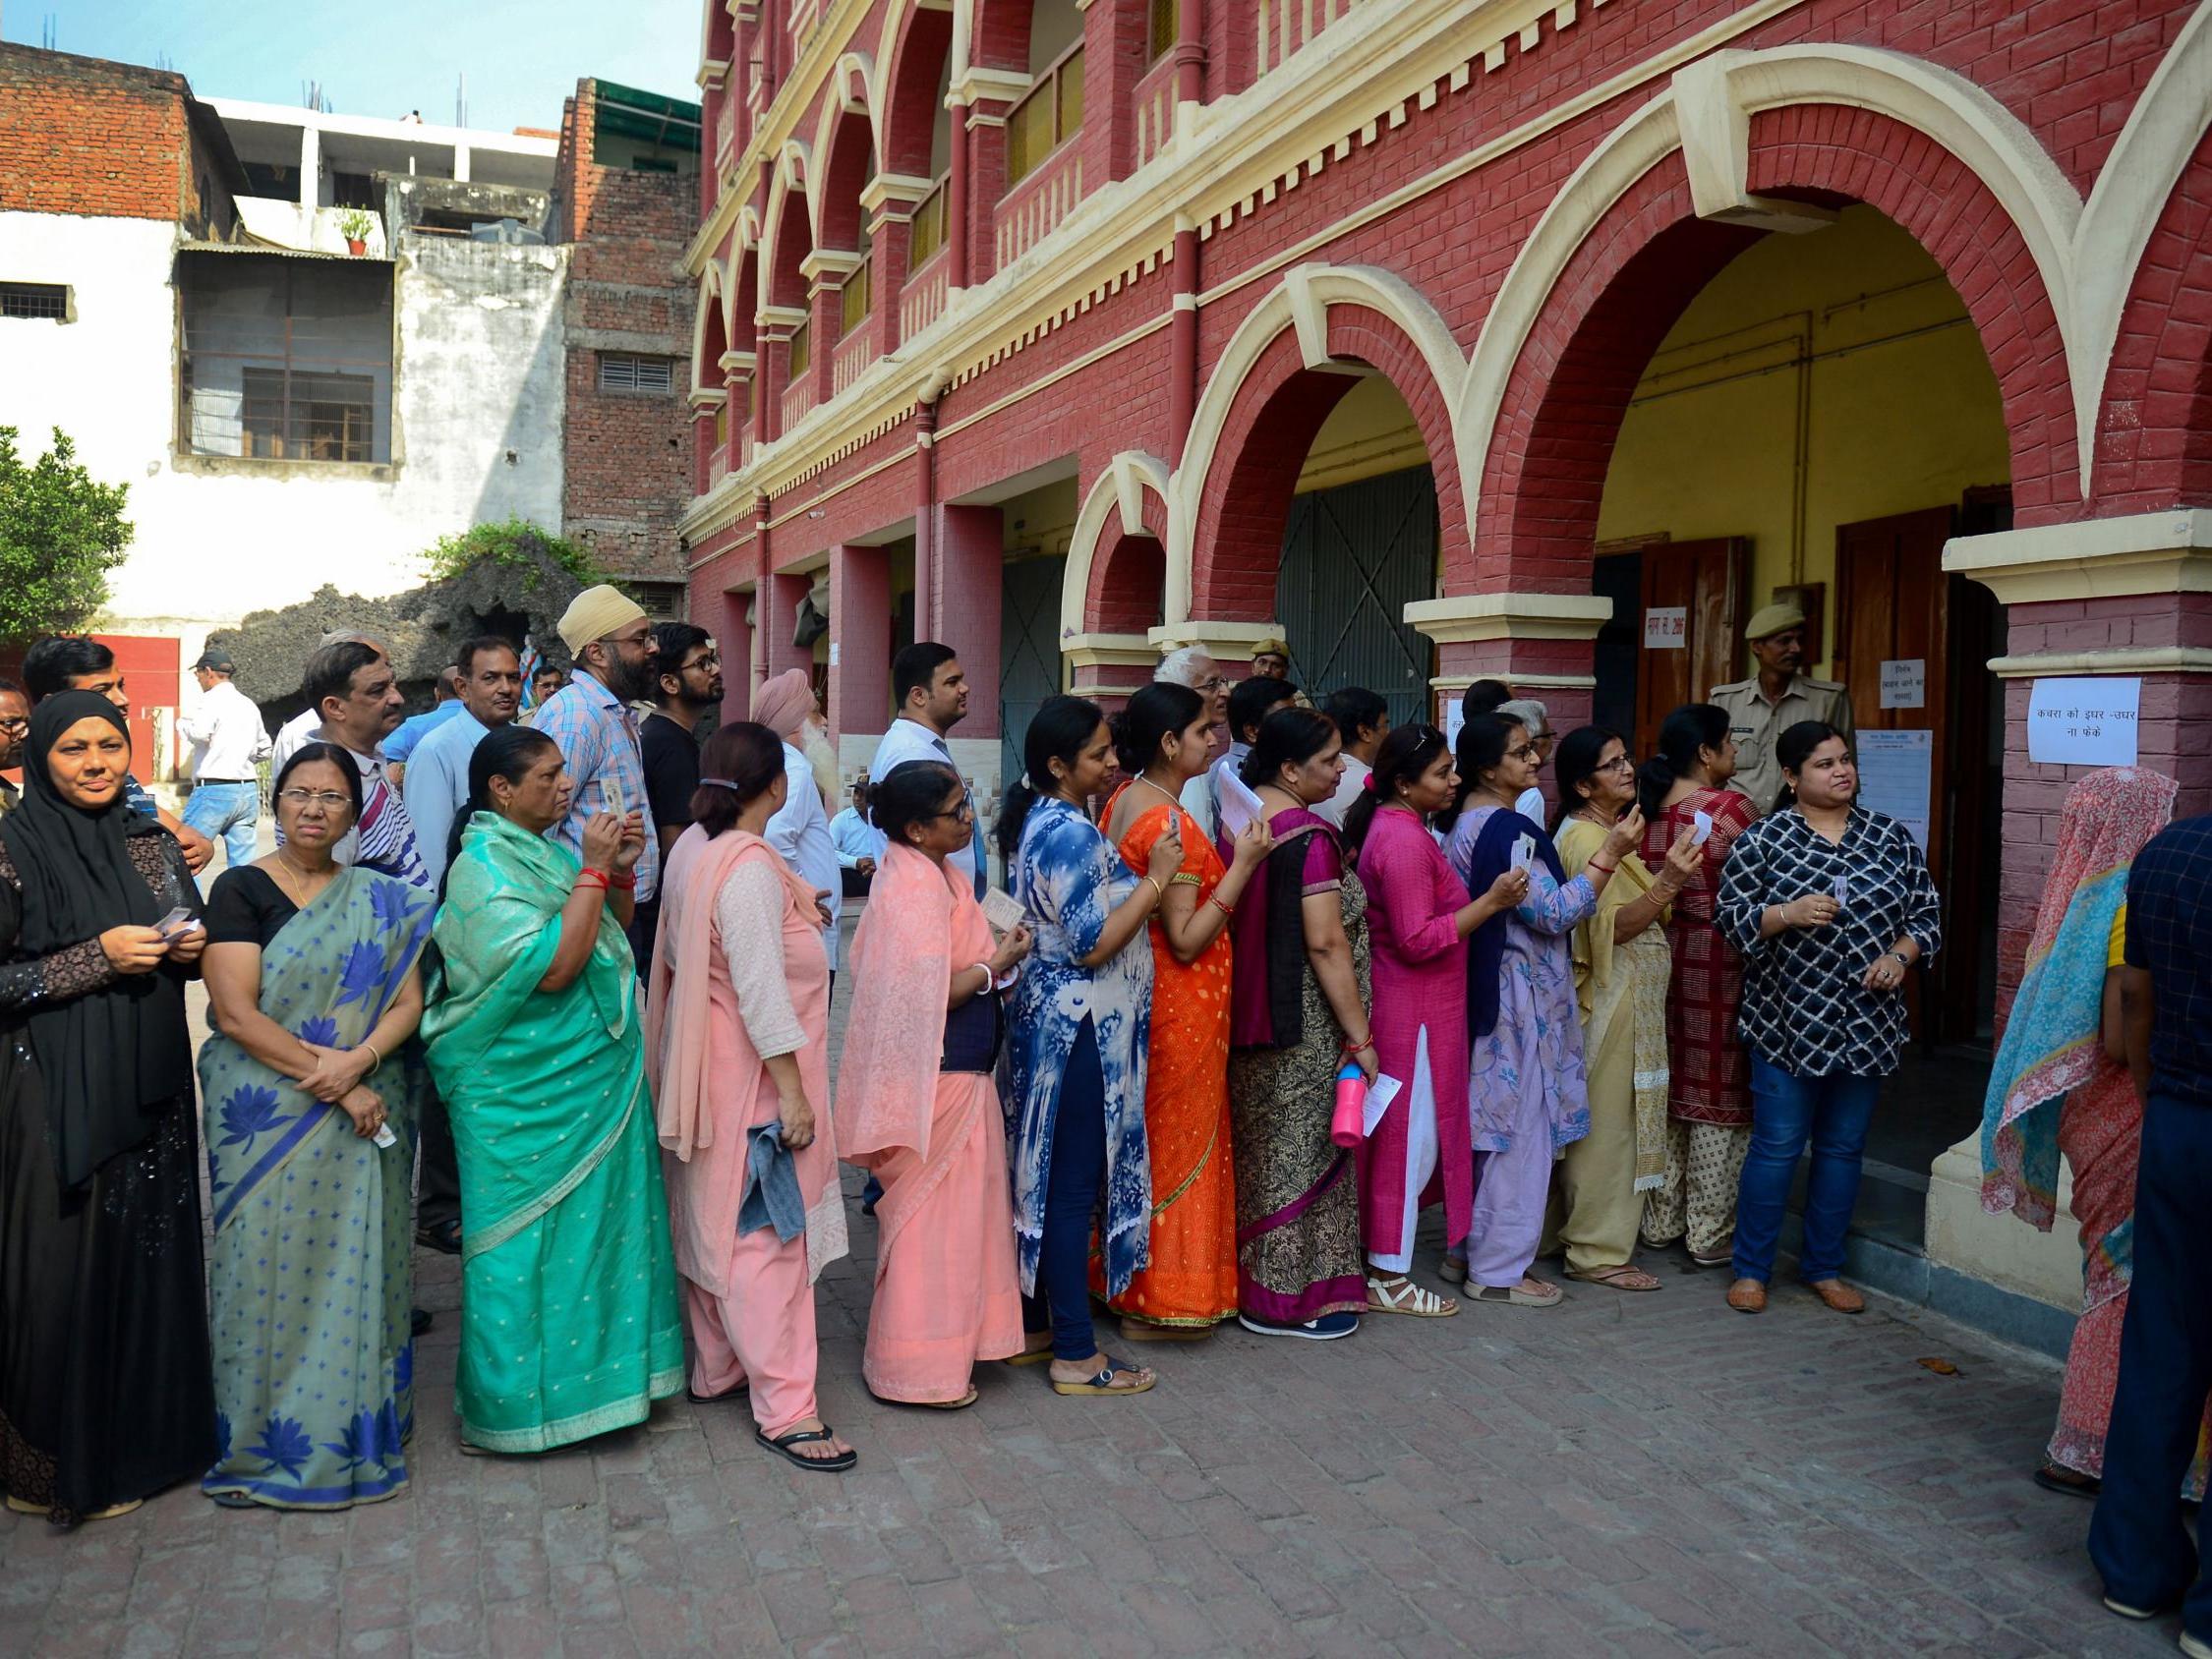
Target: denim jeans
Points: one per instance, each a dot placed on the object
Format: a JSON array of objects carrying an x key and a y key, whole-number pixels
[
  {"x": 226, "y": 812},
  {"x": 1832, "y": 1113},
  {"x": 1071, "y": 1187},
  {"x": 2136, "y": 1537}
]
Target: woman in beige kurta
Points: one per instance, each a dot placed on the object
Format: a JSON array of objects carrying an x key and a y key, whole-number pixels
[{"x": 1621, "y": 966}]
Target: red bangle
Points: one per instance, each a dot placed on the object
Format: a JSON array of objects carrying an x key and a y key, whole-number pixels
[
  {"x": 1215, "y": 899},
  {"x": 592, "y": 879},
  {"x": 1603, "y": 869},
  {"x": 600, "y": 873},
  {"x": 625, "y": 882}
]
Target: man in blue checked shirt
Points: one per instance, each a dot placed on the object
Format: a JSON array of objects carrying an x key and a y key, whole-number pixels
[{"x": 607, "y": 633}]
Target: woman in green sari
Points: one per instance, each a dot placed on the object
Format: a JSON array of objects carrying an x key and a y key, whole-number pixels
[
  {"x": 569, "y": 1320},
  {"x": 310, "y": 971}
]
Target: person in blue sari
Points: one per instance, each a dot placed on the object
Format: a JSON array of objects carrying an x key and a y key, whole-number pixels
[
  {"x": 313, "y": 984},
  {"x": 1080, "y": 1021}
]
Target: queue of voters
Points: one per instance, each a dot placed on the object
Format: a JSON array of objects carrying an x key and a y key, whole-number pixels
[{"x": 1238, "y": 983}]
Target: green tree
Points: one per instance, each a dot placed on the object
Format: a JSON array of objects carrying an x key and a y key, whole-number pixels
[{"x": 61, "y": 532}]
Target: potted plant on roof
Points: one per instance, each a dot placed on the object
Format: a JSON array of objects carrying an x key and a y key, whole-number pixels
[{"x": 353, "y": 225}]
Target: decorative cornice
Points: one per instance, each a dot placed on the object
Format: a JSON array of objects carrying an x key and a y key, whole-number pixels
[
  {"x": 886, "y": 188},
  {"x": 1225, "y": 641},
  {"x": 2122, "y": 659},
  {"x": 2164, "y": 552},
  {"x": 738, "y": 362},
  {"x": 781, "y": 316},
  {"x": 707, "y": 399},
  {"x": 1003, "y": 86},
  {"x": 1448, "y": 683},
  {"x": 822, "y": 262},
  {"x": 1510, "y": 616},
  {"x": 1109, "y": 651}
]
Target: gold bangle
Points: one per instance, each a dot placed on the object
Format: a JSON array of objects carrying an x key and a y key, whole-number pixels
[
  {"x": 377, "y": 1061},
  {"x": 1159, "y": 893}
]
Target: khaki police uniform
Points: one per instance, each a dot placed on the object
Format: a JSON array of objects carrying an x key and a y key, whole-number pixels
[{"x": 1756, "y": 726}]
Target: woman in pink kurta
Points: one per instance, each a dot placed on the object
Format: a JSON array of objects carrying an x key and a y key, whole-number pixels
[
  {"x": 917, "y": 1105},
  {"x": 737, "y": 1034},
  {"x": 1419, "y": 916}
]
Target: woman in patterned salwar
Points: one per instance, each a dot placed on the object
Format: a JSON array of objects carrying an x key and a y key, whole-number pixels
[
  {"x": 1190, "y": 1283},
  {"x": 534, "y": 1044},
  {"x": 1622, "y": 969},
  {"x": 1709, "y": 1069},
  {"x": 1076, "y": 1106},
  {"x": 104, "y": 1389},
  {"x": 310, "y": 971},
  {"x": 2061, "y": 1086},
  {"x": 1298, "y": 1015}
]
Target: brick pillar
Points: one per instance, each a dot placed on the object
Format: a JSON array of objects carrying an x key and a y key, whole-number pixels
[
  {"x": 1541, "y": 645},
  {"x": 859, "y": 644},
  {"x": 986, "y": 183},
  {"x": 737, "y": 383},
  {"x": 964, "y": 608},
  {"x": 779, "y": 618},
  {"x": 1113, "y": 43},
  {"x": 957, "y": 195},
  {"x": 702, "y": 446},
  {"x": 824, "y": 300},
  {"x": 735, "y": 637}
]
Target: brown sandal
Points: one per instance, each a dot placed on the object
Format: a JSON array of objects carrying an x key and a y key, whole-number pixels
[
  {"x": 1838, "y": 1295},
  {"x": 1748, "y": 1296},
  {"x": 1626, "y": 1277}
]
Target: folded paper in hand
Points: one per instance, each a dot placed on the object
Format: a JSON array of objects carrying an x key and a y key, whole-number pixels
[
  {"x": 1002, "y": 910},
  {"x": 1381, "y": 1093},
  {"x": 1238, "y": 805}
]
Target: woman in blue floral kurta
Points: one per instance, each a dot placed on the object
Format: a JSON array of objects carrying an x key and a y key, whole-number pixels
[{"x": 1079, "y": 1019}]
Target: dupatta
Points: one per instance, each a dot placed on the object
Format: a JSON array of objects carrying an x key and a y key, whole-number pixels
[
  {"x": 1490, "y": 857},
  {"x": 2053, "y": 1041},
  {"x": 327, "y": 977}
]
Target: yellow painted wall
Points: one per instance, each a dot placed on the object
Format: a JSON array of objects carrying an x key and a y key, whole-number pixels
[
  {"x": 1818, "y": 380},
  {"x": 1039, "y": 523},
  {"x": 1369, "y": 431}
]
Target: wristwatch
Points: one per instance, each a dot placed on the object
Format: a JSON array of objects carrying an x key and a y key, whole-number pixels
[{"x": 1900, "y": 958}]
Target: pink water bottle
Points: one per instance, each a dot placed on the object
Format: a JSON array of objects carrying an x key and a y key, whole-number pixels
[{"x": 1351, "y": 1106}]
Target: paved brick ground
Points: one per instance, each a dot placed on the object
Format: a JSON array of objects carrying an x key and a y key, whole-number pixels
[{"x": 1626, "y": 1474}]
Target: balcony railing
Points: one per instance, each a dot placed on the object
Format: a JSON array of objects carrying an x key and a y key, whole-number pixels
[
  {"x": 854, "y": 355},
  {"x": 1284, "y": 25},
  {"x": 1155, "y": 110},
  {"x": 1049, "y": 114},
  {"x": 799, "y": 399},
  {"x": 1040, "y": 202},
  {"x": 922, "y": 300}
]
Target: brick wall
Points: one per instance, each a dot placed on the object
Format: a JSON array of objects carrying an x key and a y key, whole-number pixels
[
  {"x": 629, "y": 462},
  {"x": 103, "y": 139}
]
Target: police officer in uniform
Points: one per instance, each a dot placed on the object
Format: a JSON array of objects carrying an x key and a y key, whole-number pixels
[{"x": 1770, "y": 701}]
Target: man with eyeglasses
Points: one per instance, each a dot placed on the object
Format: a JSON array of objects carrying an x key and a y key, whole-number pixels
[
  {"x": 1192, "y": 667},
  {"x": 490, "y": 675},
  {"x": 15, "y": 726},
  {"x": 687, "y": 682},
  {"x": 607, "y": 634},
  {"x": 359, "y": 698}
]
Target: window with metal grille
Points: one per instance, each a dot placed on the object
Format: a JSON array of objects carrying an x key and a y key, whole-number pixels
[
  {"x": 620, "y": 371},
  {"x": 46, "y": 302}
]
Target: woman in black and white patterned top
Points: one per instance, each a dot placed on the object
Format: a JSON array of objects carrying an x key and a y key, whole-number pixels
[{"x": 1829, "y": 905}]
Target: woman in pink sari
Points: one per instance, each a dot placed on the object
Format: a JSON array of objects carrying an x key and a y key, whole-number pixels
[
  {"x": 2061, "y": 1085},
  {"x": 737, "y": 1037},
  {"x": 917, "y": 1105}
]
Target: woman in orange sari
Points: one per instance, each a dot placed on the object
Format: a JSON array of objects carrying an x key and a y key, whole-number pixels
[
  {"x": 1189, "y": 1285},
  {"x": 917, "y": 1107}
]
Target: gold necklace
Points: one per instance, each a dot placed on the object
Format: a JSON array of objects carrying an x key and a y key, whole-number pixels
[{"x": 299, "y": 895}]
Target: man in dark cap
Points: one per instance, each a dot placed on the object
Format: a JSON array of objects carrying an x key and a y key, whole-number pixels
[
  {"x": 228, "y": 742},
  {"x": 1775, "y": 699}
]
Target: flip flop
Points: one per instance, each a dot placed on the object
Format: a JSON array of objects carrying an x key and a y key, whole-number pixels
[
  {"x": 782, "y": 1445},
  {"x": 1031, "y": 1357},
  {"x": 1512, "y": 1296},
  {"x": 1103, "y": 1382},
  {"x": 1626, "y": 1277},
  {"x": 740, "y": 1392}
]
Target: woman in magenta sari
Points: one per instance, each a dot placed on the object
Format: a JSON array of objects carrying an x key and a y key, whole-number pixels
[
  {"x": 2060, "y": 1086},
  {"x": 1419, "y": 916}
]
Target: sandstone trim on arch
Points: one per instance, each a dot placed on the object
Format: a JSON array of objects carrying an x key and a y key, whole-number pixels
[
  {"x": 711, "y": 295},
  {"x": 1301, "y": 303},
  {"x": 1967, "y": 121},
  {"x": 1122, "y": 485},
  {"x": 794, "y": 170},
  {"x": 851, "y": 93}
]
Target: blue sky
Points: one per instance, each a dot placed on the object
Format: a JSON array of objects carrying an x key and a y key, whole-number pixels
[{"x": 386, "y": 57}]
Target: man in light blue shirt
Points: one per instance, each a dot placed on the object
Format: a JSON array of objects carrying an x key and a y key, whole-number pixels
[
  {"x": 399, "y": 747},
  {"x": 490, "y": 674},
  {"x": 860, "y": 843}
]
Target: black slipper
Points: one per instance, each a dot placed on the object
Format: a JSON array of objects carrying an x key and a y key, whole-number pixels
[
  {"x": 420, "y": 1320},
  {"x": 697, "y": 1399},
  {"x": 442, "y": 1236},
  {"x": 2082, "y": 1487},
  {"x": 782, "y": 1445}
]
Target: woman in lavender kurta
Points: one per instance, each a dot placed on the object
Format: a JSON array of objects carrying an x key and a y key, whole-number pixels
[
  {"x": 1419, "y": 917},
  {"x": 1527, "y": 1096}
]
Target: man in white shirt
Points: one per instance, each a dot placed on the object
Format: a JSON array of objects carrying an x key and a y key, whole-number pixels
[
  {"x": 1192, "y": 667},
  {"x": 228, "y": 741},
  {"x": 860, "y": 843},
  {"x": 800, "y": 830},
  {"x": 931, "y": 692},
  {"x": 1363, "y": 721},
  {"x": 436, "y": 783}
]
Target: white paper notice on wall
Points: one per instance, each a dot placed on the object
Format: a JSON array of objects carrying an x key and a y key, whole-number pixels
[
  {"x": 1666, "y": 627},
  {"x": 1455, "y": 716},
  {"x": 1904, "y": 683},
  {"x": 1897, "y": 777},
  {"x": 833, "y": 654},
  {"x": 2084, "y": 723}
]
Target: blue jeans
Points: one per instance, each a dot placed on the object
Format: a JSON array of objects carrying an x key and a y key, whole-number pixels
[
  {"x": 2136, "y": 1538},
  {"x": 1833, "y": 1113},
  {"x": 227, "y": 812},
  {"x": 1076, "y": 1177}
]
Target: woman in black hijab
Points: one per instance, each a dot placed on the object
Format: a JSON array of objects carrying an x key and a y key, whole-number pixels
[{"x": 106, "y": 1394}]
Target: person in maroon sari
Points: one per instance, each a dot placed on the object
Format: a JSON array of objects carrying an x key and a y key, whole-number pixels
[{"x": 1709, "y": 1095}]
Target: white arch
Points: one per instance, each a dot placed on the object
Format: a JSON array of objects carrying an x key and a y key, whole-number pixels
[
  {"x": 710, "y": 295},
  {"x": 2138, "y": 179},
  {"x": 794, "y": 167},
  {"x": 1121, "y": 485},
  {"x": 1301, "y": 303},
  {"x": 1972, "y": 126}
]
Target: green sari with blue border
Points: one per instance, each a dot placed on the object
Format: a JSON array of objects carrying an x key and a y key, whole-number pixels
[
  {"x": 310, "y": 1280},
  {"x": 570, "y": 1325}
]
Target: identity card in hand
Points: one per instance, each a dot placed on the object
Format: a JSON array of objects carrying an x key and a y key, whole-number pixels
[
  {"x": 1701, "y": 828},
  {"x": 1002, "y": 910},
  {"x": 1843, "y": 890},
  {"x": 1524, "y": 852}
]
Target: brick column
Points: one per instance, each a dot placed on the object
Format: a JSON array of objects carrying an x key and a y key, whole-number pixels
[
  {"x": 963, "y": 606},
  {"x": 774, "y": 368},
  {"x": 702, "y": 441},
  {"x": 859, "y": 647},
  {"x": 1541, "y": 645},
  {"x": 737, "y": 384},
  {"x": 986, "y": 95},
  {"x": 888, "y": 201},
  {"x": 1109, "y": 668},
  {"x": 1113, "y": 43},
  {"x": 733, "y": 636},
  {"x": 825, "y": 270}
]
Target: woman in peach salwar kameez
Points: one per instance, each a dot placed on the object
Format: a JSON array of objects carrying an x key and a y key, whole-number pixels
[
  {"x": 738, "y": 1031},
  {"x": 1189, "y": 1284},
  {"x": 917, "y": 1105}
]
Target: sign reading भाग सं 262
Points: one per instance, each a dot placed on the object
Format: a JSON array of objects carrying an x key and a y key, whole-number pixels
[{"x": 2084, "y": 723}]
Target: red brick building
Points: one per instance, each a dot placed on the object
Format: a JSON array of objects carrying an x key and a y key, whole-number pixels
[
  {"x": 626, "y": 198},
  {"x": 1448, "y": 337}
]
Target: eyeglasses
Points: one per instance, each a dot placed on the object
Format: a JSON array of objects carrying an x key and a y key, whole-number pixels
[
  {"x": 710, "y": 660},
  {"x": 15, "y": 722},
  {"x": 963, "y": 812},
  {"x": 1619, "y": 763},
  {"x": 1209, "y": 687},
  {"x": 330, "y": 800},
  {"x": 1525, "y": 752}
]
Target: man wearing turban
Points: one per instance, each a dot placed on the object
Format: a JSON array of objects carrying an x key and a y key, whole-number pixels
[
  {"x": 606, "y": 632},
  {"x": 800, "y": 830}
]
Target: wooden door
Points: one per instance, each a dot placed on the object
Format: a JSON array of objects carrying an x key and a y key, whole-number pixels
[
  {"x": 1895, "y": 604},
  {"x": 1704, "y": 580}
]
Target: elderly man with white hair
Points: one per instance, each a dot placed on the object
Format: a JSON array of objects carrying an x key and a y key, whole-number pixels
[
  {"x": 1531, "y": 714},
  {"x": 1194, "y": 665},
  {"x": 799, "y": 830}
]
